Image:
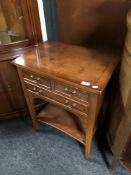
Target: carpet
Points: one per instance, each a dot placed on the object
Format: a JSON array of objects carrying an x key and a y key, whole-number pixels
[{"x": 24, "y": 151}]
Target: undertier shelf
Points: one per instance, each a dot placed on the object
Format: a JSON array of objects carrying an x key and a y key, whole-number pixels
[{"x": 63, "y": 121}]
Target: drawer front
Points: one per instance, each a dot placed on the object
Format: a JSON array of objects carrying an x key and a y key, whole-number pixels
[
  {"x": 37, "y": 90},
  {"x": 73, "y": 104},
  {"x": 72, "y": 92},
  {"x": 36, "y": 79},
  {"x": 53, "y": 96}
]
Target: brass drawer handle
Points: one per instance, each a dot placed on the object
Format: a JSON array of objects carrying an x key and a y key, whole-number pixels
[
  {"x": 37, "y": 91},
  {"x": 66, "y": 101},
  {"x": 74, "y": 92},
  {"x": 66, "y": 89},
  {"x": 37, "y": 78},
  {"x": 71, "y": 105},
  {"x": 40, "y": 91},
  {"x": 71, "y": 92},
  {"x": 32, "y": 77},
  {"x": 34, "y": 89},
  {"x": 74, "y": 104}
]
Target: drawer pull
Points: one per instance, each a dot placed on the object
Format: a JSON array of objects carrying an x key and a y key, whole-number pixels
[
  {"x": 34, "y": 89},
  {"x": 40, "y": 91},
  {"x": 71, "y": 92},
  {"x": 74, "y": 92},
  {"x": 74, "y": 104},
  {"x": 66, "y": 89},
  {"x": 71, "y": 105},
  {"x": 37, "y": 90},
  {"x": 38, "y": 78},
  {"x": 32, "y": 77},
  {"x": 66, "y": 101}
]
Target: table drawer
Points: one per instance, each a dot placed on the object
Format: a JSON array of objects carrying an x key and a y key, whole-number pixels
[
  {"x": 28, "y": 76},
  {"x": 55, "y": 97},
  {"x": 37, "y": 90},
  {"x": 72, "y": 92},
  {"x": 73, "y": 104}
]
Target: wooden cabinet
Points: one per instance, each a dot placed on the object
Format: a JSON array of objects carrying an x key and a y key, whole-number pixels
[{"x": 19, "y": 29}]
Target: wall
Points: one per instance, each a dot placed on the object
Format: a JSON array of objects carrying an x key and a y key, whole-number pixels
[{"x": 92, "y": 22}]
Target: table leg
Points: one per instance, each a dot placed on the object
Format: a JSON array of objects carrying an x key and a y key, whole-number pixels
[
  {"x": 29, "y": 101},
  {"x": 88, "y": 139},
  {"x": 91, "y": 120},
  {"x": 32, "y": 111}
]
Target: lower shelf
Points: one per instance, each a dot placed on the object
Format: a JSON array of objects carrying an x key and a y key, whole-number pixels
[{"x": 63, "y": 121}]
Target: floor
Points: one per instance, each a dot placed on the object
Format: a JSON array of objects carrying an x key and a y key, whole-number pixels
[{"x": 24, "y": 151}]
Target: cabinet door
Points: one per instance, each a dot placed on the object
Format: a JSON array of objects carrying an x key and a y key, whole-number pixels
[
  {"x": 5, "y": 105},
  {"x": 12, "y": 98}
]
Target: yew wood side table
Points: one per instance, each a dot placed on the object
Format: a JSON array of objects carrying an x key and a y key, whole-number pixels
[{"x": 72, "y": 80}]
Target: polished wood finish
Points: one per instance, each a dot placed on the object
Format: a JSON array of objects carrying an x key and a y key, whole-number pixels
[
  {"x": 55, "y": 72},
  {"x": 53, "y": 56},
  {"x": 12, "y": 102},
  {"x": 95, "y": 23},
  {"x": 64, "y": 121}
]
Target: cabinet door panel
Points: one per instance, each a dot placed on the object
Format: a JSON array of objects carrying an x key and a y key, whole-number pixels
[
  {"x": 12, "y": 91},
  {"x": 5, "y": 105}
]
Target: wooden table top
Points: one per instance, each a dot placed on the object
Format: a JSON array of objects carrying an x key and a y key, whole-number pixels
[{"x": 71, "y": 63}]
